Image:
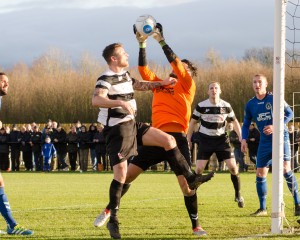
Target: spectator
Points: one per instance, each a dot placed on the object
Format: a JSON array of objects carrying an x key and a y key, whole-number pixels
[
  {"x": 78, "y": 129},
  {"x": 33, "y": 124},
  {"x": 236, "y": 144},
  {"x": 166, "y": 166},
  {"x": 72, "y": 148},
  {"x": 78, "y": 126},
  {"x": 36, "y": 144},
  {"x": 7, "y": 129},
  {"x": 29, "y": 128},
  {"x": 294, "y": 136},
  {"x": 54, "y": 126},
  {"x": 253, "y": 142},
  {"x": 48, "y": 152},
  {"x": 49, "y": 132},
  {"x": 4, "y": 150},
  {"x": 92, "y": 131},
  {"x": 100, "y": 147},
  {"x": 15, "y": 148},
  {"x": 84, "y": 138},
  {"x": 47, "y": 126},
  {"x": 59, "y": 141},
  {"x": 26, "y": 148}
]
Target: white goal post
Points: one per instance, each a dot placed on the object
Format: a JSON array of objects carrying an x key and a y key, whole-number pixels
[{"x": 278, "y": 116}]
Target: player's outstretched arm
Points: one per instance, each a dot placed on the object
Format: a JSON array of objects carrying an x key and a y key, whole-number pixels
[{"x": 146, "y": 86}]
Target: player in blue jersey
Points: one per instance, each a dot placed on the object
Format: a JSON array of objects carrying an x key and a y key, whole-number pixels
[
  {"x": 260, "y": 109},
  {"x": 12, "y": 226}
]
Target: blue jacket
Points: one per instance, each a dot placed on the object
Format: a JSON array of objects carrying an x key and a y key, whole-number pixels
[{"x": 48, "y": 150}]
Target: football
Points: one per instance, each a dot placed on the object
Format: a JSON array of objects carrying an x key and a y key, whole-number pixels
[{"x": 145, "y": 24}]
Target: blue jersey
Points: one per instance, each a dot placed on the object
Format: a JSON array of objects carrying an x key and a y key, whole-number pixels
[{"x": 261, "y": 111}]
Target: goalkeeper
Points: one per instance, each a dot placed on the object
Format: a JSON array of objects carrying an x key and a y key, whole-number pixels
[{"x": 171, "y": 111}]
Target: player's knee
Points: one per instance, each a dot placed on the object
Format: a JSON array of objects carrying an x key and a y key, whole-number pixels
[
  {"x": 169, "y": 142},
  {"x": 233, "y": 170},
  {"x": 120, "y": 172}
]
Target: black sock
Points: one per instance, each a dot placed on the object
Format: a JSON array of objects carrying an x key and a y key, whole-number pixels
[
  {"x": 115, "y": 191},
  {"x": 126, "y": 187},
  {"x": 191, "y": 204},
  {"x": 179, "y": 164},
  {"x": 124, "y": 190},
  {"x": 236, "y": 184}
]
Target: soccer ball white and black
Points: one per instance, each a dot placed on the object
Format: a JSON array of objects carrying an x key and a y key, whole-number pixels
[{"x": 145, "y": 24}]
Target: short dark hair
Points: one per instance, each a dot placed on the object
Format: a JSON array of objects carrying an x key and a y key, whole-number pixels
[
  {"x": 191, "y": 66},
  {"x": 259, "y": 75},
  {"x": 2, "y": 74},
  {"x": 109, "y": 51}
]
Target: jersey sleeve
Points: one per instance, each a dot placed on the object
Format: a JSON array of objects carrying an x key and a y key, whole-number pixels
[
  {"x": 196, "y": 113},
  {"x": 231, "y": 116},
  {"x": 288, "y": 113},
  {"x": 144, "y": 70},
  {"x": 102, "y": 82},
  {"x": 183, "y": 76},
  {"x": 247, "y": 122}
]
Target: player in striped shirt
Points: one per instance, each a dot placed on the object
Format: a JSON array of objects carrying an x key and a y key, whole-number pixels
[{"x": 213, "y": 114}]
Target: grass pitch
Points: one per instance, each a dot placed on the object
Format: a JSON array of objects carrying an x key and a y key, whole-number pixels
[{"x": 63, "y": 205}]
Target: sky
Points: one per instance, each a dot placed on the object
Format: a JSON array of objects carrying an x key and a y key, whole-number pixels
[{"x": 192, "y": 28}]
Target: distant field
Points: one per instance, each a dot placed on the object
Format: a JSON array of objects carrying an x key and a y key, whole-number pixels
[{"x": 63, "y": 205}]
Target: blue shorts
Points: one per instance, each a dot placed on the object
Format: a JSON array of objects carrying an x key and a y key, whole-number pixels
[{"x": 264, "y": 153}]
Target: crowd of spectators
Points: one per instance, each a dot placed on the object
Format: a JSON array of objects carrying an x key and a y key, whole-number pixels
[{"x": 76, "y": 147}]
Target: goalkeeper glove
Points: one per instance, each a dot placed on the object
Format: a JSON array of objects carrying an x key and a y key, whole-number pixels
[
  {"x": 141, "y": 39},
  {"x": 158, "y": 33}
]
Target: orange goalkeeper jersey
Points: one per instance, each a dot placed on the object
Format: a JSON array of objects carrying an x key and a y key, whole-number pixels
[{"x": 171, "y": 105}]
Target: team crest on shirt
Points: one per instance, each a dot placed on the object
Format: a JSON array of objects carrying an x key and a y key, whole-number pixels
[
  {"x": 222, "y": 110},
  {"x": 268, "y": 106}
]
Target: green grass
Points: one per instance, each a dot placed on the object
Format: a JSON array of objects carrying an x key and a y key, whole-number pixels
[{"x": 64, "y": 205}]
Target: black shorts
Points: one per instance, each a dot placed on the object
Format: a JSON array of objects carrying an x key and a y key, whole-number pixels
[
  {"x": 148, "y": 156},
  {"x": 121, "y": 141},
  {"x": 142, "y": 128},
  {"x": 209, "y": 145}
]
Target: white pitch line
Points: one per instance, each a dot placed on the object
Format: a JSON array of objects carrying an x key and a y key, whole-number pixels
[{"x": 89, "y": 205}]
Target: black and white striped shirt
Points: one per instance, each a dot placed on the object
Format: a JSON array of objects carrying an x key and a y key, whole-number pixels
[
  {"x": 119, "y": 86},
  {"x": 213, "y": 117}
]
